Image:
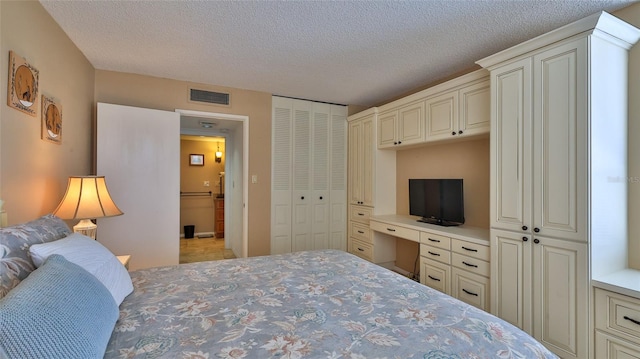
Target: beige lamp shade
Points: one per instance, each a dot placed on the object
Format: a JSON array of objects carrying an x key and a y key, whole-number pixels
[{"x": 86, "y": 198}]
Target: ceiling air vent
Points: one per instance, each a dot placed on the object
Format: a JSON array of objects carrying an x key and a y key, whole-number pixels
[{"x": 216, "y": 98}]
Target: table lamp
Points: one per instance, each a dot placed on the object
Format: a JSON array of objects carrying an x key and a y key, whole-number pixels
[{"x": 86, "y": 198}]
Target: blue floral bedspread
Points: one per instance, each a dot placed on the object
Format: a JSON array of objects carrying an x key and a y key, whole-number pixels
[{"x": 316, "y": 304}]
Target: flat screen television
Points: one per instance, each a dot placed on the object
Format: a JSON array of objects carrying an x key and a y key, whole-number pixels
[{"x": 437, "y": 201}]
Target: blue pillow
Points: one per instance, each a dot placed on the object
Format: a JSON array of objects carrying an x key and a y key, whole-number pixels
[{"x": 59, "y": 311}]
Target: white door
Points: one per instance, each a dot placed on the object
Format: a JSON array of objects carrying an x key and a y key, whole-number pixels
[
  {"x": 338, "y": 178},
  {"x": 302, "y": 238},
  {"x": 320, "y": 195},
  {"x": 138, "y": 152},
  {"x": 281, "y": 176}
]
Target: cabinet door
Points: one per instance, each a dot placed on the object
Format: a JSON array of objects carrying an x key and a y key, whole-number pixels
[
  {"x": 301, "y": 192},
  {"x": 560, "y": 304},
  {"x": 475, "y": 109},
  {"x": 387, "y": 126},
  {"x": 470, "y": 288},
  {"x": 368, "y": 164},
  {"x": 435, "y": 275},
  {"x": 611, "y": 347},
  {"x": 511, "y": 146},
  {"x": 442, "y": 116},
  {"x": 281, "y": 175},
  {"x": 355, "y": 162},
  {"x": 320, "y": 182},
  {"x": 560, "y": 141},
  {"x": 337, "y": 178},
  {"x": 511, "y": 278},
  {"x": 411, "y": 124}
]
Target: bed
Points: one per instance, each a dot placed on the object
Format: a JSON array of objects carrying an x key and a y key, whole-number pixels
[{"x": 313, "y": 304}]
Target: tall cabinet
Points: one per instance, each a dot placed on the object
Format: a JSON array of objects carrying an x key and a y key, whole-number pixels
[
  {"x": 550, "y": 197},
  {"x": 309, "y": 164}
]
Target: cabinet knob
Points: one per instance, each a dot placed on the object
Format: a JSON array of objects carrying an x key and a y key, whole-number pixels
[
  {"x": 537, "y": 230},
  {"x": 399, "y": 142},
  {"x": 320, "y": 197},
  {"x": 395, "y": 143},
  {"x": 302, "y": 197},
  {"x": 524, "y": 228},
  {"x": 453, "y": 133},
  {"x": 524, "y": 239},
  {"x": 536, "y": 241},
  {"x": 460, "y": 132}
]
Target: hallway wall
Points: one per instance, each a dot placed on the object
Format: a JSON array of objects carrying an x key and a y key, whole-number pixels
[{"x": 198, "y": 209}]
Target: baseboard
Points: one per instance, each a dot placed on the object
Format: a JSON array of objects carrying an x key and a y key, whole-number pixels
[
  {"x": 201, "y": 234},
  {"x": 405, "y": 273}
]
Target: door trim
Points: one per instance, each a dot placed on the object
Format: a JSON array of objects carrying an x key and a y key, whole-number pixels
[{"x": 245, "y": 163}]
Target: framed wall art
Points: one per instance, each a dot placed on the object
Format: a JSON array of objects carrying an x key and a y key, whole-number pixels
[
  {"x": 51, "y": 120},
  {"x": 196, "y": 160},
  {"x": 23, "y": 85}
]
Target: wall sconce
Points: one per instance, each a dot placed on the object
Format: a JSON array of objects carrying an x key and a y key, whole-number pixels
[{"x": 218, "y": 154}]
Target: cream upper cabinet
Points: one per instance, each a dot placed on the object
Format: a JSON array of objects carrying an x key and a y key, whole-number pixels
[
  {"x": 401, "y": 126},
  {"x": 361, "y": 161},
  {"x": 458, "y": 113}
]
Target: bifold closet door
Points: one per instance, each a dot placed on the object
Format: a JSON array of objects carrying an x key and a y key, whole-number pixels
[{"x": 138, "y": 152}]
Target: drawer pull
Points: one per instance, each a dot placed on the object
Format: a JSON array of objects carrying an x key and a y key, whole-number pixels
[
  {"x": 360, "y": 214},
  {"x": 469, "y": 249},
  {"x": 434, "y": 240},
  {"x": 469, "y": 264},
  {"x": 470, "y": 293},
  {"x": 433, "y": 254},
  {"x": 360, "y": 249},
  {"x": 433, "y": 278},
  {"x": 391, "y": 230},
  {"x": 361, "y": 232},
  {"x": 631, "y": 320}
]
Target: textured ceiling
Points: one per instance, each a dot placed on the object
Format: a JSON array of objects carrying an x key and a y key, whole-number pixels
[{"x": 346, "y": 52}]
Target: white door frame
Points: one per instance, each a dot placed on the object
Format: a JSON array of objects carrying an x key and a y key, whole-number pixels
[{"x": 245, "y": 163}]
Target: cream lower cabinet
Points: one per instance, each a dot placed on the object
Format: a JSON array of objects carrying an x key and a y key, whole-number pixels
[
  {"x": 617, "y": 326},
  {"x": 456, "y": 267},
  {"x": 539, "y": 286}
]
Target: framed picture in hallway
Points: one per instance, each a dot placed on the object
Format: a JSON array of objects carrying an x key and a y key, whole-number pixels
[{"x": 196, "y": 160}]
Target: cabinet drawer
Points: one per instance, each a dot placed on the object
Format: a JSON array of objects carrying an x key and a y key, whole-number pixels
[
  {"x": 396, "y": 231},
  {"x": 470, "y": 288},
  {"x": 361, "y": 249},
  {"x": 610, "y": 347},
  {"x": 359, "y": 214},
  {"x": 470, "y": 249},
  {"x": 618, "y": 314},
  {"x": 435, "y": 275},
  {"x": 437, "y": 254},
  {"x": 470, "y": 264},
  {"x": 435, "y": 240},
  {"x": 360, "y": 231}
]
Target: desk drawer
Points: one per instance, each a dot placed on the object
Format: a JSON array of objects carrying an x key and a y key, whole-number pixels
[
  {"x": 360, "y": 214},
  {"x": 435, "y": 240},
  {"x": 470, "y": 249},
  {"x": 396, "y": 231},
  {"x": 360, "y": 231},
  {"x": 435, "y": 275},
  {"x": 618, "y": 314},
  {"x": 470, "y": 288},
  {"x": 361, "y": 249},
  {"x": 436, "y": 254},
  {"x": 470, "y": 264}
]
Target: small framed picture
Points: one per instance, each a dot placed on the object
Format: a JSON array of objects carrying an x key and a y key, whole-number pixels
[
  {"x": 51, "y": 120},
  {"x": 23, "y": 85},
  {"x": 196, "y": 160}
]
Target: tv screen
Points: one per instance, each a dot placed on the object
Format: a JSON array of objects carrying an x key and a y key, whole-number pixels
[{"x": 437, "y": 201}]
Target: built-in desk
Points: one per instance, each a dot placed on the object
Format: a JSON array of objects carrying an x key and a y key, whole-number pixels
[{"x": 454, "y": 260}]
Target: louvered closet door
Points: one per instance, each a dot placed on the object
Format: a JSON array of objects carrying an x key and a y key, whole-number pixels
[
  {"x": 338, "y": 178},
  {"x": 320, "y": 175},
  {"x": 282, "y": 121},
  {"x": 302, "y": 203}
]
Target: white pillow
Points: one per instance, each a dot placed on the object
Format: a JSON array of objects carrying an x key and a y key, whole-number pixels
[{"x": 93, "y": 257}]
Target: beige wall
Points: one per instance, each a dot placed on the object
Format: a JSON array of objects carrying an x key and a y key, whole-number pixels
[
  {"x": 33, "y": 173},
  {"x": 165, "y": 94},
  {"x": 631, "y": 15},
  {"x": 198, "y": 210},
  {"x": 468, "y": 160}
]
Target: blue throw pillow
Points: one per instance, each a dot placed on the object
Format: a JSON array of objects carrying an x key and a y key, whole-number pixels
[{"x": 59, "y": 311}]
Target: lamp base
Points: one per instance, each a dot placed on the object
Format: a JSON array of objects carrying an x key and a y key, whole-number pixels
[{"x": 86, "y": 227}]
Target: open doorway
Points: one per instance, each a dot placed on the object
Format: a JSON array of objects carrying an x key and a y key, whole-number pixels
[{"x": 231, "y": 133}]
